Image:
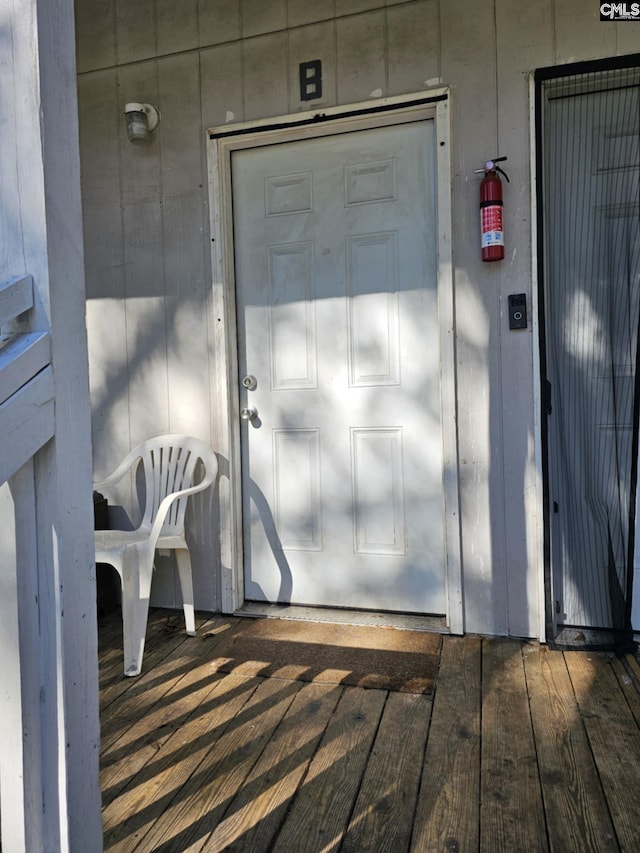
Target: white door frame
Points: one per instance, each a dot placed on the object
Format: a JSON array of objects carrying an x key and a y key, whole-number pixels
[
  {"x": 537, "y": 547},
  {"x": 222, "y": 141}
]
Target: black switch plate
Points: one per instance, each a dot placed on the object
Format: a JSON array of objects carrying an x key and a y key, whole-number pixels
[
  {"x": 310, "y": 80},
  {"x": 518, "y": 311}
]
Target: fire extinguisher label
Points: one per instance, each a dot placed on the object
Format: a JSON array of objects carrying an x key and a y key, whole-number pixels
[
  {"x": 491, "y": 226},
  {"x": 492, "y": 238}
]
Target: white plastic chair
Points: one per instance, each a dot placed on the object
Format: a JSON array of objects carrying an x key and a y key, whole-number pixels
[{"x": 169, "y": 463}]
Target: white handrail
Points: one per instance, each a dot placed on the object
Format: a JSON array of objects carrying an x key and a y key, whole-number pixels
[
  {"x": 26, "y": 381},
  {"x": 16, "y": 297}
]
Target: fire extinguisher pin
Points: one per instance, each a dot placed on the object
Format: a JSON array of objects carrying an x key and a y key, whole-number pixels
[{"x": 490, "y": 166}]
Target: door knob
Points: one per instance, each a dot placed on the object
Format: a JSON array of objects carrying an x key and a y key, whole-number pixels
[{"x": 249, "y": 413}]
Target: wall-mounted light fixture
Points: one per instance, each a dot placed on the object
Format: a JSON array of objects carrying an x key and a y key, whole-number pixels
[{"x": 142, "y": 120}]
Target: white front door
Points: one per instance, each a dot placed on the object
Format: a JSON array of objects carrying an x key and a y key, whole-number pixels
[{"x": 336, "y": 296}]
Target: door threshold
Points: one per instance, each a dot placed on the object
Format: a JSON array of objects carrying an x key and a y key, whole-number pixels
[
  {"x": 339, "y": 616},
  {"x": 576, "y": 638}
]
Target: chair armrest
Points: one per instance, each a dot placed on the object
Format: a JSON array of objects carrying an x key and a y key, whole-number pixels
[
  {"x": 166, "y": 502},
  {"x": 118, "y": 474}
]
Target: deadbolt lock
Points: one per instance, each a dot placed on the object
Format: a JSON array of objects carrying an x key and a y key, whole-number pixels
[{"x": 250, "y": 382}]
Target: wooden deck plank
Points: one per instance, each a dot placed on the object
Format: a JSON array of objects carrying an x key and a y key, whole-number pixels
[
  {"x": 256, "y": 813},
  {"x": 153, "y": 684},
  {"x": 137, "y": 741},
  {"x": 634, "y": 666},
  {"x": 383, "y": 814},
  {"x": 110, "y": 636},
  {"x": 110, "y": 649},
  {"x": 165, "y": 633},
  {"x": 321, "y": 810},
  {"x": 615, "y": 741},
  {"x": 628, "y": 677},
  {"x": 575, "y": 805},
  {"x": 511, "y": 812},
  {"x": 204, "y": 800},
  {"x": 129, "y": 817},
  {"x": 193, "y": 761},
  {"x": 448, "y": 811}
]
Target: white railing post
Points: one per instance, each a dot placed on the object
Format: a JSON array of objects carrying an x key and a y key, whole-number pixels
[{"x": 49, "y": 750}]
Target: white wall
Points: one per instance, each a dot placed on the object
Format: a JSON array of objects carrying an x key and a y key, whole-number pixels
[{"x": 209, "y": 62}]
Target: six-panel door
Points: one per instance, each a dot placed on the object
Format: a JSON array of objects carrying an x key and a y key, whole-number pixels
[{"x": 336, "y": 289}]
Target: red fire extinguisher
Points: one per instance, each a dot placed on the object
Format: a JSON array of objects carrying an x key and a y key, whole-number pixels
[{"x": 491, "y": 219}]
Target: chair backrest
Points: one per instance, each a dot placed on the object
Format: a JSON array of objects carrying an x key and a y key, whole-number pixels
[{"x": 169, "y": 465}]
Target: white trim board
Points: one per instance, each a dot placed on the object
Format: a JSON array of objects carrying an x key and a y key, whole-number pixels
[{"x": 537, "y": 548}]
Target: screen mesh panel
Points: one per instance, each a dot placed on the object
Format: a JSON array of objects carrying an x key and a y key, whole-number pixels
[{"x": 591, "y": 316}]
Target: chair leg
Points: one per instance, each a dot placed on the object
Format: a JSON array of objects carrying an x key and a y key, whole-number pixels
[
  {"x": 136, "y": 589},
  {"x": 186, "y": 586}
]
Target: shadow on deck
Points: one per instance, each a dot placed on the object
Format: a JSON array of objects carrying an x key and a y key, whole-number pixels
[{"x": 513, "y": 748}]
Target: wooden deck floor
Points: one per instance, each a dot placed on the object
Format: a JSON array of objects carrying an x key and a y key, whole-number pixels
[{"x": 518, "y": 749}]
